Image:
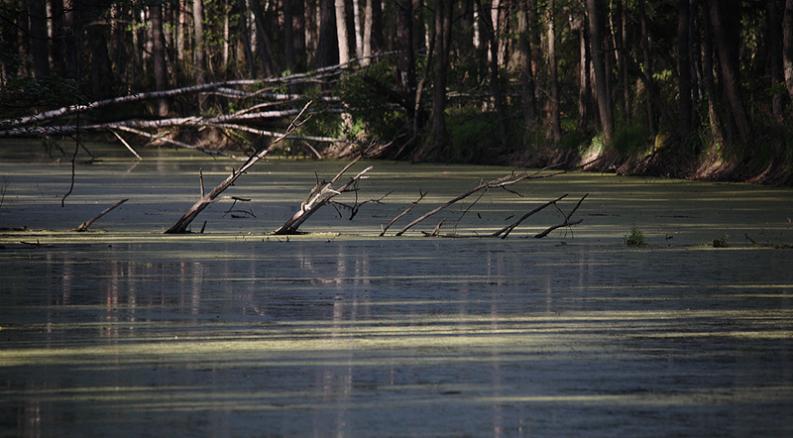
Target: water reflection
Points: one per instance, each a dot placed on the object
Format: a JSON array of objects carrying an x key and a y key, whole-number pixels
[{"x": 360, "y": 338}]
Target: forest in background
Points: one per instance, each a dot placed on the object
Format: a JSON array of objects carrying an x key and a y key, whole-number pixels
[{"x": 684, "y": 88}]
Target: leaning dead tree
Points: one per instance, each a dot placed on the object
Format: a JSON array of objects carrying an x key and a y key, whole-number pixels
[
  {"x": 322, "y": 194},
  {"x": 206, "y": 199}
]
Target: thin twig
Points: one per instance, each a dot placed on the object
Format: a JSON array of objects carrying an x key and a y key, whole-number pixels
[{"x": 124, "y": 142}]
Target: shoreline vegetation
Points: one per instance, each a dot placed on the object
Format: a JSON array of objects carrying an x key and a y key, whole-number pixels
[{"x": 697, "y": 89}]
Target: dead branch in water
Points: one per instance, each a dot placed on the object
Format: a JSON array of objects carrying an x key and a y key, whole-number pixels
[
  {"x": 87, "y": 224},
  {"x": 402, "y": 213},
  {"x": 498, "y": 183},
  {"x": 322, "y": 194},
  {"x": 181, "y": 225},
  {"x": 504, "y": 232},
  {"x": 566, "y": 222}
]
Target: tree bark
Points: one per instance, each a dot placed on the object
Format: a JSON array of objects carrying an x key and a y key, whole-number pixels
[
  {"x": 595, "y": 13},
  {"x": 58, "y": 38},
  {"x": 554, "y": 123},
  {"x": 684, "y": 69},
  {"x": 438, "y": 140},
  {"x": 528, "y": 98},
  {"x": 37, "y": 15},
  {"x": 199, "y": 59},
  {"x": 356, "y": 13},
  {"x": 341, "y": 31},
  {"x": 774, "y": 45},
  {"x": 724, "y": 16},
  {"x": 263, "y": 43},
  {"x": 327, "y": 47},
  {"x": 584, "y": 89},
  {"x": 158, "y": 54},
  {"x": 787, "y": 28}
]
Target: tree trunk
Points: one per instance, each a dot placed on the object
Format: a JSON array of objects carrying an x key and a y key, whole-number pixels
[
  {"x": 263, "y": 43},
  {"x": 528, "y": 99},
  {"x": 595, "y": 12},
  {"x": 341, "y": 31},
  {"x": 406, "y": 65},
  {"x": 327, "y": 47},
  {"x": 648, "y": 69},
  {"x": 584, "y": 89},
  {"x": 787, "y": 28},
  {"x": 684, "y": 69},
  {"x": 37, "y": 16},
  {"x": 554, "y": 123},
  {"x": 158, "y": 55},
  {"x": 369, "y": 31},
  {"x": 774, "y": 45},
  {"x": 438, "y": 139},
  {"x": 356, "y": 13},
  {"x": 58, "y": 37},
  {"x": 725, "y": 20},
  {"x": 199, "y": 61},
  {"x": 98, "y": 36},
  {"x": 495, "y": 74}
]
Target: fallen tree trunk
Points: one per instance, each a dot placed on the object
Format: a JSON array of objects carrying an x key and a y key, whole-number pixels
[
  {"x": 81, "y": 108},
  {"x": 181, "y": 225},
  {"x": 322, "y": 194}
]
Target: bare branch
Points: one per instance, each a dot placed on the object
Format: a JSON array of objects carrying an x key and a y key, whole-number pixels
[{"x": 87, "y": 224}]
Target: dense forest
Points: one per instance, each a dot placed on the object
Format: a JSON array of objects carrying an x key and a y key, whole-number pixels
[{"x": 687, "y": 88}]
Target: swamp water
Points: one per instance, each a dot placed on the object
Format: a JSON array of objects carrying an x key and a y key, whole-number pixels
[{"x": 125, "y": 332}]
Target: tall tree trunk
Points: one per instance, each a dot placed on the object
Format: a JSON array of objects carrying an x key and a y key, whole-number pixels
[
  {"x": 725, "y": 20},
  {"x": 327, "y": 47},
  {"x": 787, "y": 28},
  {"x": 263, "y": 43},
  {"x": 595, "y": 13},
  {"x": 341, "y": 31},
  {"x": 774, "y": 45},
  {"x": 715, "y": 120},
  {"x": 554, "y": 123},
  {"x": 199, "y": 60},
  {"x": 356, "y": 13},
  {"x": 37, "y": 16},
  {"x": 584, "y": 89},
  {"x": 368, "y": 29},
  {"x": 98, "y": 35},
  {"x": 58, "y": 38},
  {"x": 158, "y": 54},
  {"x": 649, "y": 69},
  {"x": 406, "y": 65},
  {"x": 181, "y": 30},
  {"x": 437, "y": 142},
  {"x": 294, "y": 35},
  {"x": 528, "y": 100},
  {"x": 495, "y": 74},
  {"x": 684, "y": 69}
]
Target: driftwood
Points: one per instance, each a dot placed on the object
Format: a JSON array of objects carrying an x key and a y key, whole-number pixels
[
  {"x": 498, "y": 183},
  {"x": 87, "y": 224},
  {"x": 322, "y": 194},
  {"x": 207, "y": 198}
]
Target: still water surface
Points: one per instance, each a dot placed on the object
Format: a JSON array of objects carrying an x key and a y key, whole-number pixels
[{"x": 124, "y": 333}]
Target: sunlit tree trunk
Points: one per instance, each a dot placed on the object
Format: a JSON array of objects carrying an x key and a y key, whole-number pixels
[
  {"x": 356, "y": 11},
  {"x": 584, "y": 89},
  {"x": 199, "y": 62},
  {"x": 341, "y": 31},
  {"x": 595, "y": 13}
]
